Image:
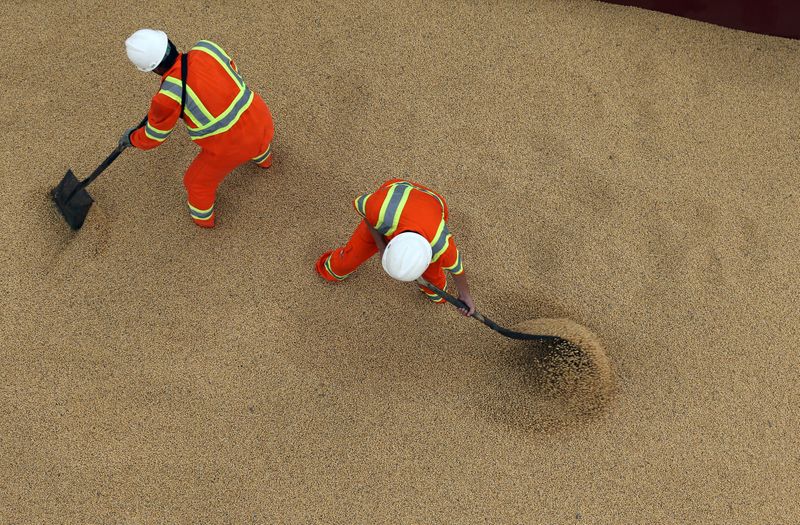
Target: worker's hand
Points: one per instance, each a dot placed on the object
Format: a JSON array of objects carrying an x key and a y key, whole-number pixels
[
  {"x": 467, "y": 299},
  {"x": 125, "y": 139}
]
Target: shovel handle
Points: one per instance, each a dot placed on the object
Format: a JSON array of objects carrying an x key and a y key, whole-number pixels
[
  {"x": 458, "y": 303},
  {"x": 97, "y": 171},
  {"x": 103, "y": 165},
  {"x": 485, "y": 320}
]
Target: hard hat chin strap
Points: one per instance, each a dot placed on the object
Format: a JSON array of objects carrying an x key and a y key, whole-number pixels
[{"x": 170, "y": 56}]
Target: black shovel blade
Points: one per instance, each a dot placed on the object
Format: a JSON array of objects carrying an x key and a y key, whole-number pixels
[{"x": 74, "y": 208}]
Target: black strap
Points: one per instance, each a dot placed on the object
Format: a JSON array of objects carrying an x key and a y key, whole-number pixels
[{"x": 184, "y": 72}]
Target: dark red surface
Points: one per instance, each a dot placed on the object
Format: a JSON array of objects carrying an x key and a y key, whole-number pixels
[{"x": 770, "y": 17}]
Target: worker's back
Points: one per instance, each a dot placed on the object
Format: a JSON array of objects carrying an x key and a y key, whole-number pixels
[{"x": 221, "y": 111}]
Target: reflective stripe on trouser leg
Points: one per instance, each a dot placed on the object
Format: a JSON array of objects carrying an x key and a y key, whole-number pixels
[
  {"x": 201, "y": 215},
  {"x": 264, "y": 158},
  {"x": 361, "y": 246},
  {"x": 436, "y": 278},
  {"x": 202, "y": 179}
]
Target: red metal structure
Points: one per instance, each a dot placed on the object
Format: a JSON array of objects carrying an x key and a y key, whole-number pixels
[{"x": 769, "y": 17}]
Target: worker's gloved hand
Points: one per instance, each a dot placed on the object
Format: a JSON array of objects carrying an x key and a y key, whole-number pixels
[{"x": 125, "y": 139}]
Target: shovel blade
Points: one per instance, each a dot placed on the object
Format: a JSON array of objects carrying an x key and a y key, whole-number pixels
[{"x": 74, "y": 208}]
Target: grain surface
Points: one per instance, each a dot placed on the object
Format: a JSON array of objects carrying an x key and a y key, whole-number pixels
[{"x": 631, "y": 171}]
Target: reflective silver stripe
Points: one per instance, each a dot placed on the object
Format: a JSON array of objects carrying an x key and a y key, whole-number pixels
[
  {"x": 155, "y": 134},
  {"x": 210, "y": 47},
  {"x": 361, "y": 204},
  {"x": 191, "y": 106},
  {"x": 202, "y": 215},
  {"x": 398, "y": 193},
  {"x": 232, "y": 115},
  {"x": 261, "y": 158},
  {"x": 441, "y": 241},
  {"x": 328, "y": 267},
  {"x": 457, "y": 267},
  {"x": 433, "y": 296}
]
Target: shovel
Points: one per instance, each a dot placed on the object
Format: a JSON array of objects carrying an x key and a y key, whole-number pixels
[
  {"x": 71, "y": 197},
  {"x": 550, "y": 339}
]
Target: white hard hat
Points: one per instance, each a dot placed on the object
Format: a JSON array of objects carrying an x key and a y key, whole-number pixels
[
  {"x": 407, "y": 256},
  {"x": 146, "y": 48}
]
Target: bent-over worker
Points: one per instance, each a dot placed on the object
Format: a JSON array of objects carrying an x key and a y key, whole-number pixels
[
  {"x": 229, "y": 122},
  {"x": 406, "y": 223}
]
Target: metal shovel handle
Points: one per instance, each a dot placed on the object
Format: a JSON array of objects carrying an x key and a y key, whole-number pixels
[
  {"x": 103, "y": 165},
  {"x": 485, "y": 320},
  {"x": 97, "y": 171}
]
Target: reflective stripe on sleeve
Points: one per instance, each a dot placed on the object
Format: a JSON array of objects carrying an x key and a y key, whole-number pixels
[
  {"x": 360, "y": 204},
  {"x": 433, "y": 296},
  {"x": 154, "y": 133},
  {"x": 440, "y": 241},
  {"x": 457, "y": 267}
]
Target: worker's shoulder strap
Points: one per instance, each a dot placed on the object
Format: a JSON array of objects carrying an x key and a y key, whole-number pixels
[
  {"x": 184, "y": 74},
  {"x": 176, "y": 89}
]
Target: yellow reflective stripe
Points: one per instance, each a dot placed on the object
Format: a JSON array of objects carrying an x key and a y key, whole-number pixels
[
  {"x": 227, "y": 67},
  {"x": 153, "y": 133},
  {"x": 399, "y": 211},
  {"x": 456, "y": 268},
  {"x": 436, "y": 238},
  {"x": 385, "y": 206},
  {"x": 196, "y": 99},
  {"x": 432, "y": 296},
  {"x": 261, "y": 158},
  {"x": 171, "y": 95},
  {"x": 328, "y": 267},
  {"x": 444, "y": 248},
  {"x": 194, "y": 104},
  {"x": 392, "y": 207},
  {"x": 360, "y": 204},
  {"x": 233, "y": 121},
  {"x": 187, "y": 111},
  {"x": 199, "y": 214},
  {"x": 211, "y": 44}
]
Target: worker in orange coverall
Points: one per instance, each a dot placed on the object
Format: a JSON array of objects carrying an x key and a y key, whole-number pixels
[
  {"x": 229, "y": 122},
  {"x": 407, "y": 224}
]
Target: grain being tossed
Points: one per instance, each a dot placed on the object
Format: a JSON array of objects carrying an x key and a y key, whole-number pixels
[{"x": 203, "y": 87}]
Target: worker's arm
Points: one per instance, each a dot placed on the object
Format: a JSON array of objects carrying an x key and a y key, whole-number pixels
[
  {"x": 463, "y": 293},
  {"x": 451, "y": 261},
  {"x": 376, "y": 235},
  {"x": 164, "y": 113},
  {"x": 370, "y": 216}
]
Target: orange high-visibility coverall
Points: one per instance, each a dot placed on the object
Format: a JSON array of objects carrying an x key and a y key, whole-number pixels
[
  {"x": 230, "y": 123},
  {"x": 396, "y": 207}
]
